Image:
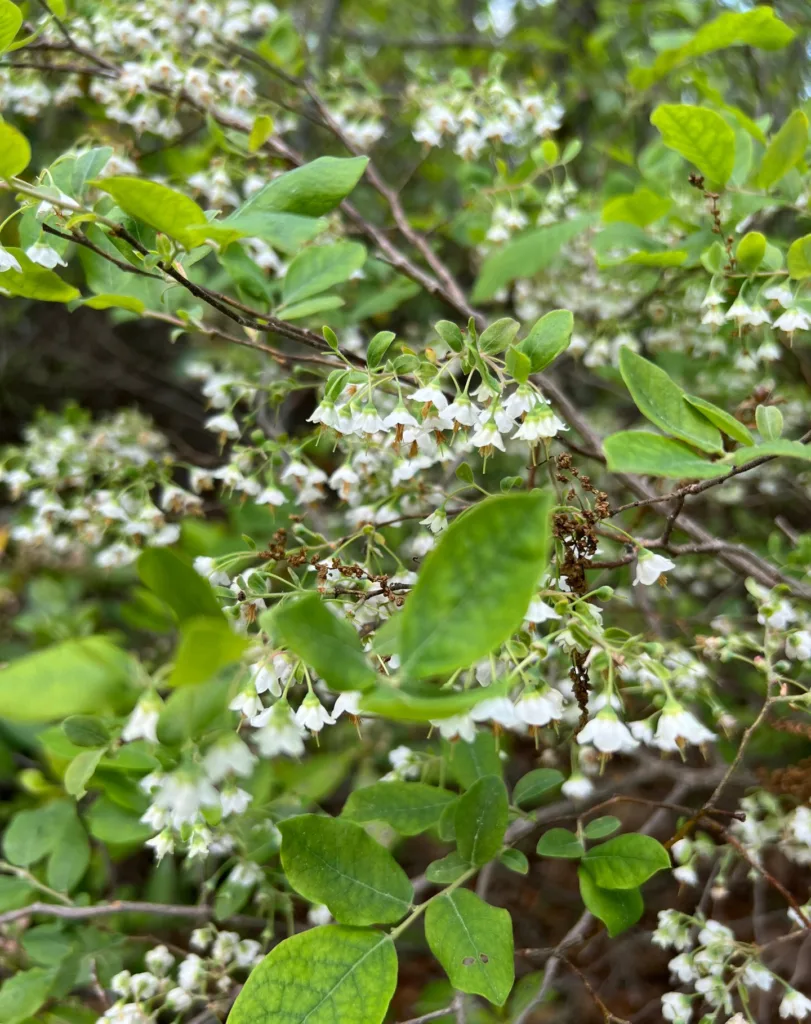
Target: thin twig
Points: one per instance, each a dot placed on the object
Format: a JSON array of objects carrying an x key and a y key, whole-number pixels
[{"x": 72, "y": 913}]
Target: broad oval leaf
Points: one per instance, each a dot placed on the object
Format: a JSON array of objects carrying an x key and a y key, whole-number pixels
[
  {"x": 618, "y": 909},
  {"x": 176, "y": 583},
  {"x": 161, "y": 207},
  {"x": 424, "y": 703},
  {"x": 447, "y": 869},
  {"x": 498, "y": 335},
  {"x": 11, "y": 17},
  {"x": 626, "y": 862},
  {"x": 320, "y": 267},
  {"x": 785, "y": 150},
  {"x": 336, "y": 863},
  {"x": 481, "y": 820},
  {"x": 779, "y": 447},
  {"x": 798, "y": 259},
  {"x": 32, "y": 281},
  {"x": 548, "y": 338},
  {"x": 22, "y": 995},
  {"x": 322, "y": 976},
  {"x": 699, "y": 135},
  {"x": 330, "y": 644},
  {"x": 560, "y": 842},
  {"x": 535, "y": 785},
  {"x": 599, "y": 828},
  {"x": 409, "y": 807},
  {"x": 661, "y": 400},
  {"x": 474, "y": 943},
  {"x": 206, "y": 646},
  {"x": 641, "y": 207},
  {"x": 503, "y": 541},
  {"x": 640, "y": 451},
  {"x": 468, "y": 762},
  {"x": 725, "y": 421},
  {"x": 314, "y": 189},
  {"x": 15, "y": 152}
]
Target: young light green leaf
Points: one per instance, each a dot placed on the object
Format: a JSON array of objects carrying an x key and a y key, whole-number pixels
[
  {"x": 661, "y": 400},
  {"x": 322, "y": 976},
  {"x": 320, "y": 267},
  {"x": 409, "y": 807},
  {"x": 468, "y": 762},
  {"x": 700, "y": 135},
  {"x": 206, "y": 646},
  {"x": 750, "y": 251},
  {"x": 86, "y": 731},
  {"x": 725, "y": 421},
  {"x": 164, "y": 209},
  {"x": 309, "y": 307},
  {"x": 450, "y": 334},
  {"x": 560, "y": 842},
  {"x": 514, "y": 860},
  {"x": 70, "y": 678},
  {"x": 626, "y": 862},
  {"x": 518, "y": 364},
  {"x": 80, "y": 770},
  {"x": 11, "y": 17},
  {"x": 474, "y": 943},
  {"x": 549, "y": 337},
  {"x": 599, "y": 828},
  {"x": 335, "y": 862},
  {"x": 447, "y": 869},
  {"x": 88, "y": 164},
  {"x": 108, "y": 301},
  {"x": 498, "y": 336},
  {"x": 32, "y": 281},
  {"x": 260, "y": 132},
  {"x": 618, "y": 909},
  {"x": 284, "y": 231},
  {"x": 798, "y": 259},
  {"x": 15, "y": 152},
  {"x": 769, "y": 421},
  {"x": 640, "y": 451},
  {"x": 481, "y": 820},
  {"x": 24, "y": 993},
  {"x": 759, "y": 27},
  {"x": 785, "y": 150},
  {"x": 328, "y": 643},
  {"x": 779, "y": 447},
  {"x": 641, "y": 207},
  {"x": 503, "y": 540},
  {"x": 175, "y": 582},
  {"x": 378, "y": 347},
  {"x": 422, "y": 703},
  {"x": 314, "y": 189},
  {"x": 525, "y": 256},
  {"x": 531, "y": 789}
]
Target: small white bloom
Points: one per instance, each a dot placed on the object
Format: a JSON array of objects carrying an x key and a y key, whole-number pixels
[
  {"x": 792, "y": 320},
  {"x": 178, "y": 999},
  {"x": 191, "y": 974},
  {"x": 686, "y": 875},
  {"x": 649, "y": 567},
  {"x": 540, "y": 707},
  {"x": 143, "y": 720},
  {"x": 143, "y": 986},
  {"x": 437, "y": 521},
  {"x": 757, "y": 976},
  {"x": 318, "y": 914},
  {"x": 677, "y": 727},
  {"x": 462, "y": 726},
  {"x": 348, "y": 703},
  {"x": 159, "y": 961},
  {"x": 248, "y": 953},
  {"x": 682, "y": 967},
  {"x": 794, "y": 1004},
  {"x": 278, "y": 732},
  {"x": 488, "y": 436},
  {"x": 539, "y": 423},
  {"x": 577, "y": 787},
  {"x": 8, "y": 261},
  {"x": 608, "y": 734},
  {"x": 496, "y": 709},
  {"x": 313, "y": 715},
  {"x": 539, "y": 611},
  {"x": 433, "y": 394},
  {"x": 120, "y": 984},
  {"x": 226, "y": 756},
  {"x": 224, "y": 424},
  {"x": 45, "y": 256}
]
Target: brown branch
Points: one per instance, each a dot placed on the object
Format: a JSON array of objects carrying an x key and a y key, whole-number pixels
[
  {"x": 196, "y": 911},
  {"x": 433, "y": 1015},
  {"x": 608, "y": 1016}
]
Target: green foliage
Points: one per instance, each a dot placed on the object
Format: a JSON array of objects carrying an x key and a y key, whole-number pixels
[
  {"x": 34, "y": 282},
  {"x": 618, "y": 909},
  {"x": 548, "y": 338},
  {"x": 786, "y": 148},
  {"x": 639, "y": 451},
  {"x": 176, "y": 583},
  {"x": 324, "y": 975},
  {"x": 310, "y": 191},
  {"x": 535, "y": 786},
  {"x": 315, "y": 270},
  {"x": 798, "y": 259},
  {"x": 161, "y": 207},
  {"x": 481, "y": 820},
  {"x": 700, "y": 136},
  {"x": 11, "y": 19},
  {"x": 15, "y": 153},
  {"x": 560, "y": 842},
  {"x": 409, "y": 807},
  {"x": 626, "y": 861}
]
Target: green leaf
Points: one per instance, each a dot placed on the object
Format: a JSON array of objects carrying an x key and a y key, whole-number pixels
[
  {"x": 313, "y": 189},
  {"x": 322, "y": 976},
  {"x": 515, "y": 861},
  {"x": 785, "y": 150},
  {"x": 661, "y": 400},
  {"x": 87, "y": 166},
  {"x": 618, "y": 909},
  {"x": 26, "y": 991},
  {"x": 468, "y": 762},
  {"x": 191, "y": 709},
  {"x": 423, "y": 703},
  {"x": 111, "y": 824},
  {"x": 70, "y": 856},
  {"x": 769, "y": 421},
  {"x": 450, "y": 333},
  {"x": 641, "y": 207},
  {"x": 640, "y": 451},
  {"x": 32, "y": 281},
  {"x": 503, "y": 541},
  {"x": 750, "y": 251},
  {"x": 330, "y": 644},
  {"x": 560, "y": 842},
  {"x": 549, "y": 337},
  {"x": 86, "y": 731},
  {"x": 73, "y": 677},
  {"x": 525, "y": 256},
  {"x": 798, "y": 259},
  {"x": 474, "y": 943},
  {"x": 535, "y": 785},
  {"x": 80, "y": 770},
  {"x": 284, "y": 231},
  {"x": 320, "y": 267},
  {"x": 759, "y": 27},
  {"x": 15, "y": 893},
  {"x": 699, "y": 135},
  {"x": 107, "y": 301},
  {"x": 309, "y": 307},
  {"x": 498, "y": 336},
  {"x": 626, "y": 862},
  {"x": 599, "y": 828},
  {"x": 378, "y": 347},
  {"x": 33, "y": 834},
  {"x": 164, "y": 209},
  {"x": 518, "y": 364},
  {"x": 447, "y": 869},
  {"x": 781, "y": 446},
  {"x": 725, "y": 421},
  {"x": 481, "y": 820},
  {"x": 15, "y": 152},
  {"x": 260, "y": 132},
  {"x": 175, "y": 582},
  {"x": 206, "y": 646},
  {"x": 11, "y": 18},
  {"x": 409, "y": 807},
  {"x": 336, "y": 863}
]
